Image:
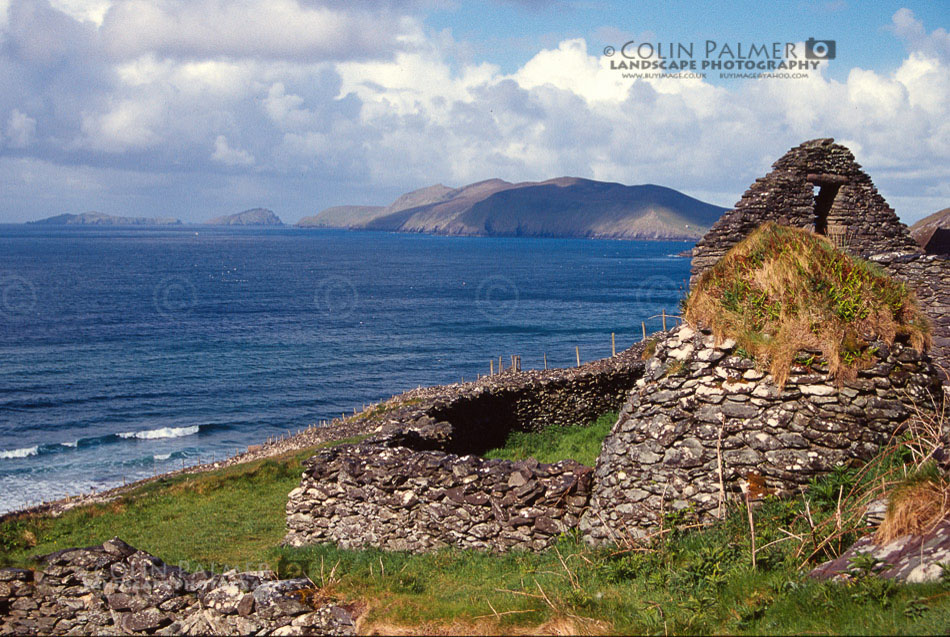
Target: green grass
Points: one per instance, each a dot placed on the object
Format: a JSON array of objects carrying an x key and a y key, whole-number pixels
[
  {"x": 687, "y": 581},
  {"x": 231, "y": 516},
  {"x": 783, "y": 290},
  {"x": 693, "y": 582},
  {"x": 576, "y": 442}
]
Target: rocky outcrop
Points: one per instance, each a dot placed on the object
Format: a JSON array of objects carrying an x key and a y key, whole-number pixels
[
  {"x": 115, "y": 589},
  {"x": 252, "y": 217},
  {"x": 404, "y": 500},
  {"x": 704, "y": 424},
  {"x": 847, "y": 208},
  {"x": 911, "y": 558}
]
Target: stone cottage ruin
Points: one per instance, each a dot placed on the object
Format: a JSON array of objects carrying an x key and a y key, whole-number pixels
[
  {"x": 698, "y": 421},
  {"x": 818, "y": 186}
]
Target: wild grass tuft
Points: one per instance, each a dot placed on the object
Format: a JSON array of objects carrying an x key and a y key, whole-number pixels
[{"x": 783, "y": 290}]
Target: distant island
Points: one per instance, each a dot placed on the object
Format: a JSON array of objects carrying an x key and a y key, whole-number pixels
[
  {"x": 100, "y": 219},
  {"x": 562, "y": 207},
  {"x": 252, "y": 217}
]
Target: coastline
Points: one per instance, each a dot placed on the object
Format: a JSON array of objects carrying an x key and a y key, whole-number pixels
[{"x": 376, "y": 418}]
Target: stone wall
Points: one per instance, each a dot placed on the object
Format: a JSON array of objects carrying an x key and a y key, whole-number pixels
[
  {"x": 700, "y": 410},
  {"x": 848, "y": 208},
  {"x": 472, "y": 418},
  {"x": 929, "y": 277},
  {"x": 419, "y": 484},
  {"x": 400, "y": 499},
  {"x": 115, "y": 589}
]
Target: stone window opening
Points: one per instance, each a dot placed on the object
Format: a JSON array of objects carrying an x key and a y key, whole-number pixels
[
  {"x": 826, "y": 190},
  {"x": 824, "y": 198}
]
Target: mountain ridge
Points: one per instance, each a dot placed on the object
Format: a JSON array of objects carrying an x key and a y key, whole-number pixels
[{"x": 559, "y": 207}]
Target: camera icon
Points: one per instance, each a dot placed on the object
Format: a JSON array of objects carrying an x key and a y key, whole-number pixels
[{"x": 819, "y": 49}]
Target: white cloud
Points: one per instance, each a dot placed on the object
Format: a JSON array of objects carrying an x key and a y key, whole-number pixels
[
  {"x": 318, "y": 97},
  {"x": 228, "y": 156},
  {"x": 912, "y": 31},
  {"x": 287, "y": 29},
  {"x": 127, "y": 125},
  {"x": 20, "y": 129},
  {"x": 285, "y": 109},
  {"x": 83, "y": 10}
]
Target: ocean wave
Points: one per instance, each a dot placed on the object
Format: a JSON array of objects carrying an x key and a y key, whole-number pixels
[
  {"x": 73, "y": 444},
  {"x": 164, "y": 432},
  {"x": 19, "y": 453},
  {"x": 161, "y": 456}
]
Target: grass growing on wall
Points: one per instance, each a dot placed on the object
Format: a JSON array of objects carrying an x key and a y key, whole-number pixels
[
  {"x": 782, "y": 290},
  {"x": 575, "y": 442}
]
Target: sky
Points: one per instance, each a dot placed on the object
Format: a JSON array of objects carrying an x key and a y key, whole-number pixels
[{"x": 197, "y": 108}]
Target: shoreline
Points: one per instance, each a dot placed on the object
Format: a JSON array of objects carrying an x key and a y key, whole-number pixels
[{"x": 376, "y": 418}]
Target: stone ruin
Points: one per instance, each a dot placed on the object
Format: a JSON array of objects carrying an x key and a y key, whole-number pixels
[
  {"x": 704, "y": 425},
  {"x": 819, "y": 186},
  {"x": 699, "y": 424},
  {"x": 420, "y": 482},
  {"x": 816, "y": 186},
  {"x": 114, "y": 589}
]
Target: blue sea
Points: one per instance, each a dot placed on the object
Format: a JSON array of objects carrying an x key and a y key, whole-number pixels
[{"x": 130, "y": 351}]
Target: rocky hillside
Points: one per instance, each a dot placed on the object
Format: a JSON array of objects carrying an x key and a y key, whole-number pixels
[
  {"x": 100, "y": 219},
  {"x": 252, "y": 217},
  {"x": 341, "y": 217},
  {"x": 923, "y": 229},
  {"x": 563, "y": 207}
]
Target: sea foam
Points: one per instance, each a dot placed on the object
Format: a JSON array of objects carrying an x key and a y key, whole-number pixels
[
  {"x": 19, "y": 453},
  {"x": 164, "y": 432}
]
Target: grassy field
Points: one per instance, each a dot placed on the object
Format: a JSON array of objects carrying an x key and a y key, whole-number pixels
[
  {"x": 577, "y": 442},
  {"x": 683, "y": 580}
]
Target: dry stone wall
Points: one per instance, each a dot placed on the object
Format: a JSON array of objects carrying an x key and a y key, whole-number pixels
[
  {"x": 929, "y": 277},
  {"x": 701, "y": 412},
  {"x": 404, "y": 500},
  {"x": 115, "y": 589},
  {"x": 472, "y": 418},
  {"x": 419, "y": 482}
]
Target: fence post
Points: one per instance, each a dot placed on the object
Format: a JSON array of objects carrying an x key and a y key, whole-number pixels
[
  {"x": 644, "y": 326},
  {"x": 545, "y": 360},
  {"x": 663, "y": 312},
  {"x": 613, "y": 345},
  {"x": 577, "y": 351}
]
